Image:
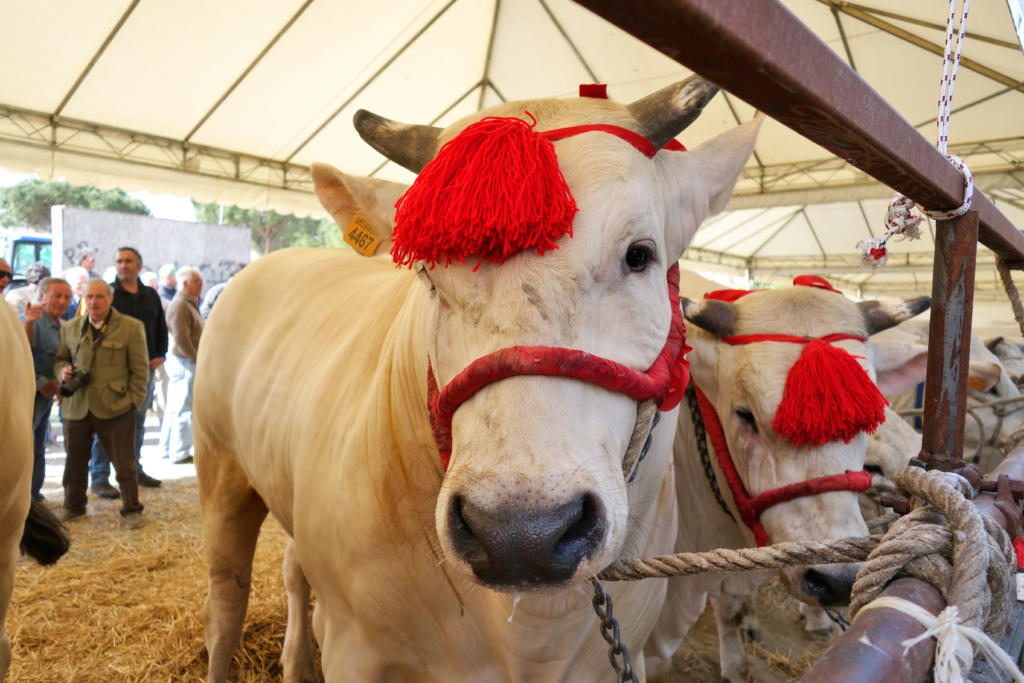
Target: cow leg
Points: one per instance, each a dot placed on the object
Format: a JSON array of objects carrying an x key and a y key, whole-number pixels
[
  {"x": 297, "y": 656},
  {"x": 732, "y": 658},
  {"x": 232, "y": 515},
  {"x": 6, "y": 587}
]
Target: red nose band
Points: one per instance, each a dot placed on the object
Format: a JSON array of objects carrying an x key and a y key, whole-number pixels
[{"x": 664, "y": 382}]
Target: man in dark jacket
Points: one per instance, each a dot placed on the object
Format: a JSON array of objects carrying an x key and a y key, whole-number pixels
[{"x": 134, "y": 299}]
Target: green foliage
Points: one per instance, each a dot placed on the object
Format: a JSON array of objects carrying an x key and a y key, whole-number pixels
[
  {"x": 28, "y": 203},
  {"x": 271, "y": 230}
]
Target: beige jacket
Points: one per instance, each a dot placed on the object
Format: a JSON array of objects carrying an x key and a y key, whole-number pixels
[
  {"x": 185, "y": 325},
  {"x": 118, "y": 367}
]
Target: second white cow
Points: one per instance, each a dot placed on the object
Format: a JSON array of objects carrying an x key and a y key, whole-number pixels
[{"x": 744, "y": 355}]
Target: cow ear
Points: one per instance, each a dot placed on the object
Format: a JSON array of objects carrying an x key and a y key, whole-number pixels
[
  {"x": 699, "y": 182},
  {"x": 899, "y": 366},
  {"x": 722, "y": 159},
  {"x": 368, "y": 200},
  {"x": 983, "y": 375}
]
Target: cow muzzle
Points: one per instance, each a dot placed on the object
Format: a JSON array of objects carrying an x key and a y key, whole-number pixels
[
  {"x": 509, "y": 548},
  {"x": 822, "y": 585}
]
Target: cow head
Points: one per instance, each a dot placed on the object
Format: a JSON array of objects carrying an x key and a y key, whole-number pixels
[
  {"x": 745, "y": 382},
  {"x": 988, "y": 426},
  {"x": 534, "y": 495}
]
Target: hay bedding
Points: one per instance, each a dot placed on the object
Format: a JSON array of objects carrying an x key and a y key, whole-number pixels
[{"x": 126, "y": 605}]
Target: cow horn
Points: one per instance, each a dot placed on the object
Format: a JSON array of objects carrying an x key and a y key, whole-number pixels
[
  {"x": 879, "y": 316},
  {"x": 715, "y": 317},
  {"x": 993, "y": 344},
  {"x": 408, "y": 145},
  {"x": 666, "y": 113}
]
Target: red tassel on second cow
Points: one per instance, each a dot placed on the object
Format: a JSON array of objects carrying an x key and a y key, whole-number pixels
[{"x": 828, "y": 396}]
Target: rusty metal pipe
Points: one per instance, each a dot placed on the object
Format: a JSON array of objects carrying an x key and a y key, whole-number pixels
[
  {"x": 762, "y": 53},
  {"x": 871, "y": 648},
  {"x": 949, "y": 342}
]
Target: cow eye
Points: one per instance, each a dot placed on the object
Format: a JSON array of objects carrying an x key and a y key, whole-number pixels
[
  {"x": 638, "y": 256},
  {"x": 747, "y": 418}
]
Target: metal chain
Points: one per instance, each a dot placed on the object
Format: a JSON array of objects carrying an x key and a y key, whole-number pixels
[
  {"x": 837, "y": 618},
  {"x": 701, "y": 434},
  {"x": 610, "y": 632}
]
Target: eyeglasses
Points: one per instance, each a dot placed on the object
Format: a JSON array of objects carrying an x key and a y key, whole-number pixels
[{"x": 5, "y": 274}]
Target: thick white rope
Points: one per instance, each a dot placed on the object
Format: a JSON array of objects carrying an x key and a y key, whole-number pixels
[
  {"x": 900, "y": 220},
  {"x": 955, "y": 642}
]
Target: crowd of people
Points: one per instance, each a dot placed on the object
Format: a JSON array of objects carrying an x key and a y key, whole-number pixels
[{"x": 99, "y": 349}]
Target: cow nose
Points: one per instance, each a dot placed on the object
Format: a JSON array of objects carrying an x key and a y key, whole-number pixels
[
  {"x": 829, "y": 584},
  {"x": 515, "y": 549}
]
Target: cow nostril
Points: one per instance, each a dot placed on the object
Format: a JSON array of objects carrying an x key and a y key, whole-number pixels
[
  {"x": 828, "y": 588},
  {"x": 515, "y": 548},
  {"x": 463, "y": 539},
  {"x": 582, "y": 536}
]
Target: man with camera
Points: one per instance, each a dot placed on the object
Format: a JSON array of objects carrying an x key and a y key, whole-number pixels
[
  {"x": 103, "y": 367},
  {"x": 134, "y": 299}
]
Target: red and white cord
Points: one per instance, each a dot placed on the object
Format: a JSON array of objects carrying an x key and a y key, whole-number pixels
[{"x": 900, "y": 218}]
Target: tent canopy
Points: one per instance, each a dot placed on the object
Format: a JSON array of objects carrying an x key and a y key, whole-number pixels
[{"x": 231, "y": 101}]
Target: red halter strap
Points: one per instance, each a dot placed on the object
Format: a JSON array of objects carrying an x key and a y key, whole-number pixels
[
  {"x": 645, "y": 146},
  {"x": 664, "y": 382},
  {"x": 751, "y": 509}
]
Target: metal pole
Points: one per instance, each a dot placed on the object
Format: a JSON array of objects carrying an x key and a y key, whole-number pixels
[{"x": 949, "y": 342}]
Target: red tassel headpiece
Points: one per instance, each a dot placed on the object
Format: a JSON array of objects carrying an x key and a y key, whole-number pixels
[
  {"x": 493, "y": 190},
  {"x": 828, "y": 396}
]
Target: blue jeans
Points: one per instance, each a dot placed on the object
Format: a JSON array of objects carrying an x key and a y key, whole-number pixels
[
  {"x": 40, "y": 426},
  {"x": 176, "y": 430},
  {"x": 99, "y": 464}
]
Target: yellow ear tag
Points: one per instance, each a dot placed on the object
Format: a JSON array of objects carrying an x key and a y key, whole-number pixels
[
  {"x": 361, "y": 236},
  {"x": 975, "y": 383}
]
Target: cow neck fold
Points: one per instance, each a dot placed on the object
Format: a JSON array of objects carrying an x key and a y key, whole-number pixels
[
  {"x": 751, "y": 508},
  {"x": 664, "y": 382}
]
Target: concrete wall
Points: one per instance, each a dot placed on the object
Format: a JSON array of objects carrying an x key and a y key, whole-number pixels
[{"x": 213, "y": 249}]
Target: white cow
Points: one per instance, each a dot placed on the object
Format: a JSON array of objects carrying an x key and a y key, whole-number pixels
[
  {"x": 988, "y": 380},
  {"x": 30, "y": 527},
  {"x": 744, "y": 384},
  {"x": 315, "y": 408},
  {"x": 1010, "y": 352}
]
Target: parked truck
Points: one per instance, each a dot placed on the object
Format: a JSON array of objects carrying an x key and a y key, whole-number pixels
[{"x": 21, "y": 248}]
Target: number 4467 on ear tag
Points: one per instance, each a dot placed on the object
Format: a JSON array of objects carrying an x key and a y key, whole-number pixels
[{"x": 361, "y": 236}]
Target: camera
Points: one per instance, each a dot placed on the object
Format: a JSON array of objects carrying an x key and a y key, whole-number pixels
[{"x": 78, "y": 379}]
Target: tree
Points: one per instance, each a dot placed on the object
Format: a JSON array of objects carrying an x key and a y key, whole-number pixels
[
  {"x": 28, "y": 203},
  {"x": 272, "y": 230}
]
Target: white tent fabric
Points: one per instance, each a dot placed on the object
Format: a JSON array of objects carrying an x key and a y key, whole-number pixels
[{"x": 230, "y": 101}]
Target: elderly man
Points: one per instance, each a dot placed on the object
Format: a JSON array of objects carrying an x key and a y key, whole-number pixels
[
  {"x": 134, "y": 299},
  {"x": 186, "y": 326},
  {"x": 167, "y": 276},
  {"x": 103, "y": 366},
  {"x": 87, "y": 261},
  {"x": 76, "y": 276},
  {"x": 42, "y": 325},
  {"x": 30, "y": 292},
  {"x": 5, "y": 275}
]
